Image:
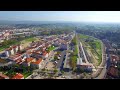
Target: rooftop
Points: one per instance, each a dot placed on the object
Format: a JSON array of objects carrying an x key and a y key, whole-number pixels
[
  {"x": 38, "y": 61},
  {"x": 18, "y": 76},
  {"x": 29, "y": 59}
]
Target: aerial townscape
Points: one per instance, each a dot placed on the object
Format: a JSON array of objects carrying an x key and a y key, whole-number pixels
[{"x": 59, "y": 50}]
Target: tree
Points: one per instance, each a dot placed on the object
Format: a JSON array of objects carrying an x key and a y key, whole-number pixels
[
  {"x": 55, "y": 70},
  {"x": 55, "y": 57},
  {"x": 43, "y": 69},
  {"x": 62, "y": 72}
]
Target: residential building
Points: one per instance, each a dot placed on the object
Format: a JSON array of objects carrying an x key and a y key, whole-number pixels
[
  {"x": 28, "y": 61},
  {"x": 45, "y": 54},
  {"x": 37, "y": 64},
  {"x": 63, "y": 46},
  {"x": 18, "y": 76}
]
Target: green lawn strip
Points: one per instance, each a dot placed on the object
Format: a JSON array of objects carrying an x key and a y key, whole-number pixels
[
  {"x": 83, "y": 36},
  {"x": 26, "y": 74},
  {"x": 51, "y": 48},
  {"x": 74, "y": 55},
  {"x": 29, "y": 39},
  {"x": 97, "y": 49}
]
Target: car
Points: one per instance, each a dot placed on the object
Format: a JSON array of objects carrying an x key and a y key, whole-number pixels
[
  {"x": 63, "y": 76},
  {"x": 56, "y": 62},
  {"x": 59, "y": 74}
]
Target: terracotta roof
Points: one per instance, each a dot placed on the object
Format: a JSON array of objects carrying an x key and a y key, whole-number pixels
[
  {"x": 18, "y": 76},
  {"x": 38, "y": 61},
  {"x": 86, "y": 64},
  {"x": 44, "y": 53},
  {"x": 19, "y": 60},
  {"x": 29, "y": 59},
  {"x": 14, "y": 46},
  {"x": 9, "y": 49}
]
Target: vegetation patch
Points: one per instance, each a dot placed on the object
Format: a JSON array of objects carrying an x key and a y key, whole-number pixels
[{"x": 93, "y": 44}]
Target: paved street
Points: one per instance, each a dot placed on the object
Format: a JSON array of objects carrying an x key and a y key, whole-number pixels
[
  {"x": 44, "y": 64},
  {"x": 63, "y": 53},
  {"x": 103, "y": 73}
]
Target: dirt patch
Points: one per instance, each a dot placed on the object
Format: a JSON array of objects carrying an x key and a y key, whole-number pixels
[
  {"x": 25, "y": 44},
  {"x": 2, "y": 61},
  {"x": 50, "y": 66},
  {"x": 94, "y": 61}
]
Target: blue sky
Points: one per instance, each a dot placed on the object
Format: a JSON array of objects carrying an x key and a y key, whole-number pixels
[{"x": 79, "y": 16}]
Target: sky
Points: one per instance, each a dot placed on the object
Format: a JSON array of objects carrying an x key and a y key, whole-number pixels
[{"x": 75, "y": 16}]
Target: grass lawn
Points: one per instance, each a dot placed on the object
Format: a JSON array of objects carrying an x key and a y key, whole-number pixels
[
  {"x": 51, "y": 48},
  {"x": 83, "y": 36},
  {"x": 29, "y": 39},
  {"x": 14, "y": 42},
  {"x": 76, "y": 50},
  {"x": 26, "y": 74},
  {"x": 8, "y": 45},
  {"x": 74, "y": 56}
]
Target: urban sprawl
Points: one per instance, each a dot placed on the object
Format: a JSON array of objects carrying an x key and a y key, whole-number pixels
[{"x": 30, "y": 53}]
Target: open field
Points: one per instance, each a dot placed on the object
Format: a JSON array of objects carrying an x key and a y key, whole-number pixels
[
  {"x": 93, "y": 46},
  {"x": 24, "y": 43},
  {"x": 50, "y": 66},
  {"x": 27, "y": 41},
  {"x": 8, "y": 44},
  {"x": 51, "y": 48}
]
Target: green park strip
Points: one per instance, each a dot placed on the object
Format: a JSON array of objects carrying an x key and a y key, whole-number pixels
[
  {"x": 29, "y": 39},
  {"x": 94, "y": 44},
  {"x": 74, "y": 54},
  {"x": 26, "y": 74},
  {"x": 83, "y": 36},
  {"x": 51, "y": 48}
]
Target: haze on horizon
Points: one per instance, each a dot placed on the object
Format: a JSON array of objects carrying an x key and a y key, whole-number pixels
[{"x": 74, "y": 16}]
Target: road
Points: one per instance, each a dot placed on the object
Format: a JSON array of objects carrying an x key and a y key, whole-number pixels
[
  {"x": 44, "y": 64},
  {"x": 103, "y": 73},
  {"x": 59, "y": 64}
]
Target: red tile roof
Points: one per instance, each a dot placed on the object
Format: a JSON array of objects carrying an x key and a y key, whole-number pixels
[
  {"x": 9, "y": 49},
  {"x": 19, "y": 60},
  {"x": 29, "y": 59},
  {"x": 14, "y": 46},
  {"x": 44, "y": 53},
  {"x": 18, "y": 76},
  {"x": 38, "y": 61}
]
